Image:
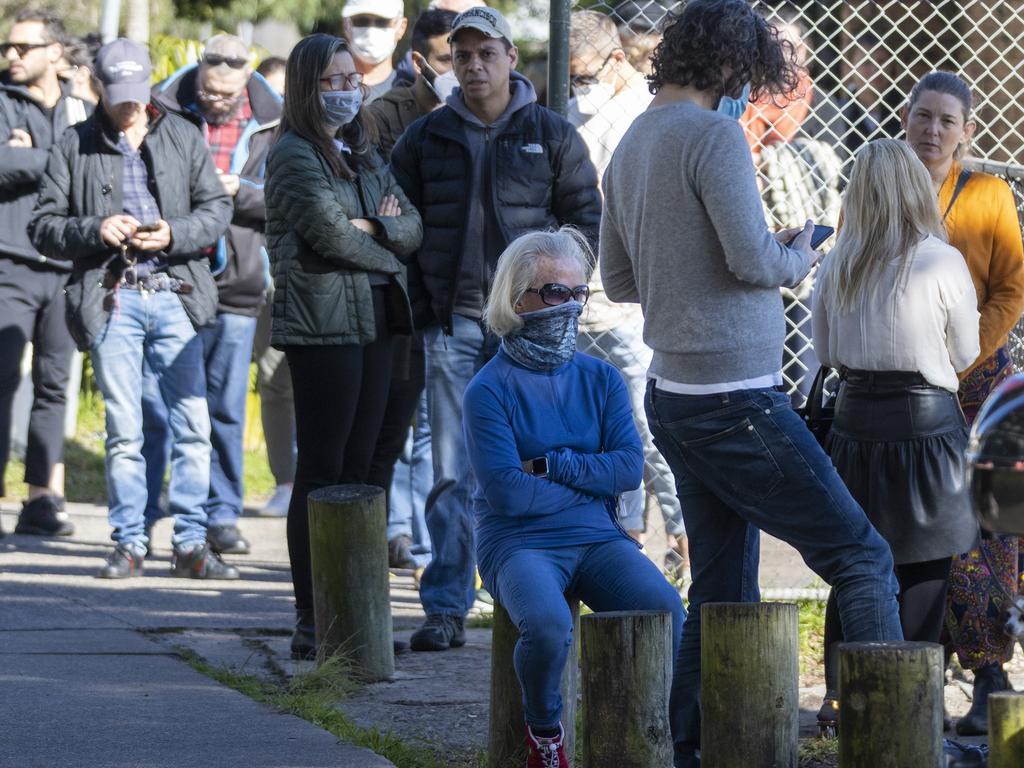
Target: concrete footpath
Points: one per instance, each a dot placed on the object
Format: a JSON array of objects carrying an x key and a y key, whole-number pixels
[{"x": 92, "y": 672}]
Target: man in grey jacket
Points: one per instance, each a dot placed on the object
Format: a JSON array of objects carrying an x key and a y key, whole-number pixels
[
  {"x": 35, "y": 108},
  {"x": 131, "y": 197}
]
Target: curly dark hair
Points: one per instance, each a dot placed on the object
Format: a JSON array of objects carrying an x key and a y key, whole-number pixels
[{"x": 711, "y": 37}]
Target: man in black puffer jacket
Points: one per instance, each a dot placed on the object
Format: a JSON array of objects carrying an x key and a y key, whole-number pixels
[
  {"x": 132, "y": 199},
  {"x": 487, "y": 167}
]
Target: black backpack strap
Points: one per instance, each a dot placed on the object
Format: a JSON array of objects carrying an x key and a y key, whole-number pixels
[{"x": 961, "y": 182}]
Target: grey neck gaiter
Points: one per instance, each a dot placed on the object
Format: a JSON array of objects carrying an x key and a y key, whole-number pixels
[{"x": 547, "y": 338}]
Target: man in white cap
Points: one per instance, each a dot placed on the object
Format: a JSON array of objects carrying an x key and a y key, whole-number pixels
[
  {"x": 373, "y": 29},
  {"x": 131, "y": 198},
  {"x": 487, "y": 166}
]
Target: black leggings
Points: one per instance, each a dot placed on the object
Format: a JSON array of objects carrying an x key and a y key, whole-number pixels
[
  {"x": 922, "y": 601},
  {"x": 340, "y": 394}
]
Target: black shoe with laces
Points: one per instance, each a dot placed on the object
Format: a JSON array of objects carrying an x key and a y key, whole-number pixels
[
  {"x": 123, "y": 563},
  {"x": 44, "y": 516},
  {"x": 227, "y": 540},
  {"x": 199, "y": 562},
  {"x": 439, "y": 633}
]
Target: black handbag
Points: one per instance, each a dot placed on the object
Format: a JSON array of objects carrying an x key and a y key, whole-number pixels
[{"x": 817, "y": 413}]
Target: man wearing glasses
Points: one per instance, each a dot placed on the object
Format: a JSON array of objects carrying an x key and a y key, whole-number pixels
[
  {"x": 34, "y": 110},
  {"x": 236, "y": 110},
  {"x": 489, "y": 165},
  {"x": 373, "y": 29}
]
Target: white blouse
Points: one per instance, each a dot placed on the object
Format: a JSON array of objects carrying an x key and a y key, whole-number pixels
[{"x": 930, "y": 326}]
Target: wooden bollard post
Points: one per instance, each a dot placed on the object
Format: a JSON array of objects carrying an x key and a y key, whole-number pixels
[
  {"x": 627, "y": 676},
  {"x": 890, "y": 705},
  {"x": 506, "y": 728},
  {"x": 1006, "y": 729},
  {"x": 750, "y": 685},
  {"x": 348, "y": 548}
]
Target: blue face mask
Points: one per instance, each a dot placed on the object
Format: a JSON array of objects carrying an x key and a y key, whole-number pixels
[
  {"x": 341, "y": 107},
  {"x": 735, "y": 108}
]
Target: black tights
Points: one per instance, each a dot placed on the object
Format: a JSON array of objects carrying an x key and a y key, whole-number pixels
[{"x": 922, "y": 610}]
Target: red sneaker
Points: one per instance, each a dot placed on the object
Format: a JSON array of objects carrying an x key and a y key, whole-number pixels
[{"x": 545, "y": 753}]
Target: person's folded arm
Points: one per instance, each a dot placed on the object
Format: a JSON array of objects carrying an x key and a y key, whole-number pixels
[
  {"x": 620, "y": 466},
  {"x": 510, "y": 491}
]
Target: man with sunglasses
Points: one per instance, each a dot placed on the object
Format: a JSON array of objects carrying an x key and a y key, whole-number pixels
[
  {"x": 35, "y": 108},
  {"x": 236, "y": 110},
  {"x": 373, "y": 29},
  {"x": 489, "y": 165}
]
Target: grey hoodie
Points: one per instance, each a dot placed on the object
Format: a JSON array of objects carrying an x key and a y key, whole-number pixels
[{"x": 474, "y": 275}]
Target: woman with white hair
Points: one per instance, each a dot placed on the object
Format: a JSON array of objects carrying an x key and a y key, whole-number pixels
[{"x": 552, "y": 444}]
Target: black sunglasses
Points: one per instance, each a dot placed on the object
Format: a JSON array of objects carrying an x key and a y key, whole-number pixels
[
  {"x": 377, "y": 22},
  {"x": 21, "y": 48},
  {"x": 554, "y": 294},
  {"x": 215, "y": 61}
]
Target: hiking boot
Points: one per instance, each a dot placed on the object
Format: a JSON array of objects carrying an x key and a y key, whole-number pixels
[
  {"x": 124, "y": 562},
  {"x": 227, "y": 540},
  {"x": 545, "y": 752},
  {"x": 439, "y": 633},
  {"x": 400, "y": 552},
  {"x": 44, "y": 516},
  {"x": 198, "y": 562},
  {"x": 303, "y": 645},
  {"x": 987, "y": 679}
]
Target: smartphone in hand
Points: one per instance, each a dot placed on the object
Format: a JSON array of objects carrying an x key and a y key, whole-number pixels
[{"x": 820, "y": 235}]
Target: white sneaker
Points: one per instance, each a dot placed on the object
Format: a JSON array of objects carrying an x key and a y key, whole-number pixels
[{"x": 277, "y": 505}]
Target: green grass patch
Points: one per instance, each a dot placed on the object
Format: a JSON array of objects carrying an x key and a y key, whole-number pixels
[{"x": 819, "y": 753}]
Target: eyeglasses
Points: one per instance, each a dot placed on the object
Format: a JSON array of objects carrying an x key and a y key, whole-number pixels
[
  {"x": 371, "y": 21},
  {"x": 21, "y": 48},
  {"x": 347, "y": 82},
  {"x": 554, "y": 294},
  {"x": 214, "y": 60},
  {"x": 578, "y": 80}
]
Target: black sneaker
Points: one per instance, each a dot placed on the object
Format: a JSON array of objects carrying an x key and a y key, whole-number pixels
[
  {"x": 199, "y": 562},
  {"x": 400, "y": 552},
  {"x": 227, "y": 540},
  {"x": 439, "y": 633},
  {"x": 44, "y": 516},
  {"x": 123, "y": 563}
]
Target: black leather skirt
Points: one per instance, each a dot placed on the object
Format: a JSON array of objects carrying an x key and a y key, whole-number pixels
[{"x": 898, "y": 443}]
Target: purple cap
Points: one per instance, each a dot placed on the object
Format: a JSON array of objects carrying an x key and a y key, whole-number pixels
[{"x": 124, "y": 69}]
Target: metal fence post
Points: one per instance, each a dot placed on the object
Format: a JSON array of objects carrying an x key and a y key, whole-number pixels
[{"x": 558, "y": 56}]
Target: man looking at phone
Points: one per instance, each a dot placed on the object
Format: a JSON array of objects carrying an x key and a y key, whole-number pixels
[
  {"x": 237, "y": 111},
  {"x": 132, "y": 199},
  {"x": 34, "y": 109}
]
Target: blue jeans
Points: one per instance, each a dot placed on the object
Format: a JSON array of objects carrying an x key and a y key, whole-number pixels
[
  {"x": 448, "y": 584},
  {"x": 744, "y": 461},
  {"x": 533, "y": 585},
  {"x": 227, "y": 351},
  {"x": 410, "y": 485},
  {"x": 152, "y": 329}
]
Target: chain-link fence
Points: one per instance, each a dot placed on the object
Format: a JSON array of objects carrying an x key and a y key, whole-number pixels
[{"x": 862, "y": 59}]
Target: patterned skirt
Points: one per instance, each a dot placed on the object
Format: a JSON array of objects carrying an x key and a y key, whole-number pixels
[{"x": 975, "y": 610}]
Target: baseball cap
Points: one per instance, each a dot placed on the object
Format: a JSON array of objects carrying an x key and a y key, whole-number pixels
[
  {"x": 483, "y": 19},
  {"x": 124, "y": 68},
  {"x": 386, "y": 9}
]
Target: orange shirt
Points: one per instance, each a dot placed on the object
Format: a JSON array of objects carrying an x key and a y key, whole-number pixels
[{"x": 984, "y": 227}]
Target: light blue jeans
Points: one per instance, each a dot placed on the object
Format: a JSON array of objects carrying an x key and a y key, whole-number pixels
[
  {"x": 533, "y": 584},
  {"x": 448, "y": 583},
  {"x": 410, "y": 485},
  {"x": 227, "y": 352},
  {"x": 744, "y": 461},
  {"x": 153, "y": 329}
]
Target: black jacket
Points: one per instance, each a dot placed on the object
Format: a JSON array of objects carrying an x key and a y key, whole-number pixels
[
  {"x": 393, "y": 112},
  {"x": 21, "y": 169},
  {"x": 540, "y": 177},
  {"x": 240, "y": 265},
  {"x": 84, "y": 184}
]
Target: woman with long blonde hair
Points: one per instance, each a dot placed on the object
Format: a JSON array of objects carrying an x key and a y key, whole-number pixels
[{"x": 895, "y": 312}]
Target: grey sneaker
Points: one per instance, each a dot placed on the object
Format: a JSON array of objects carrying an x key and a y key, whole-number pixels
[
  {"x": 200, "y": 562},
  {"x": 439, "y": 633}
]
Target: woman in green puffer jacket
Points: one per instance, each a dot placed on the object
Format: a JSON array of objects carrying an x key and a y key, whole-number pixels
[{"x": 338, "y": 231}]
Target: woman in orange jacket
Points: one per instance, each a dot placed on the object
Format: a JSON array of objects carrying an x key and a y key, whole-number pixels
[{"x": 982, "y": 223}]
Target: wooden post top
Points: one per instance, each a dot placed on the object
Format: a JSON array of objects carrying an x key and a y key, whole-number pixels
[
  {"x": 342, "y": 494},
  {"x": 613, "y": 615}
]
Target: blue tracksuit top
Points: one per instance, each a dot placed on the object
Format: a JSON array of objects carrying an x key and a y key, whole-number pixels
[{"x": 579, "y": 417}]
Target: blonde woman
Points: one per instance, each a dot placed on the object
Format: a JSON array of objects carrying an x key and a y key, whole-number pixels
[
  {"x": 552, "y": 444},
  {"x": 895, "y": 311}
]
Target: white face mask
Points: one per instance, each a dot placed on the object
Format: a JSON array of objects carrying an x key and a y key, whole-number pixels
[
  {"x": 373, "y": 44},
  {"x": 591, "y": 98},
  {"x": 444, "y": 85}
]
